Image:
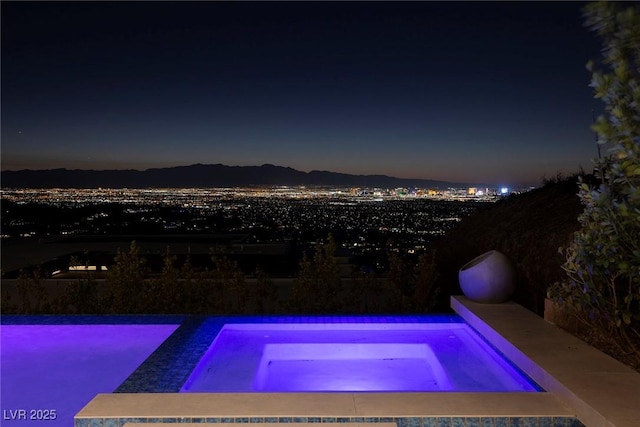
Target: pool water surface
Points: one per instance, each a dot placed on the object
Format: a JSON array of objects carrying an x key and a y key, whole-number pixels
[
  {"x": 347, "y": 357},
  {"x": 49, "y": 372},
  {"x": 51, "y": 364}
]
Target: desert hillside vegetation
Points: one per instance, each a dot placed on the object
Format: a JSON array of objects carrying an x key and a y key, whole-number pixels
[{"x": 529, "y": 228}]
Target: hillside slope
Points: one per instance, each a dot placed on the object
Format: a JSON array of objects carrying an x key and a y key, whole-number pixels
[{"x": 528, "y": 228}]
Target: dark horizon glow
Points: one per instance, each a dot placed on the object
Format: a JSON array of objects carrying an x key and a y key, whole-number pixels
[{"x": 456, "y": 91}]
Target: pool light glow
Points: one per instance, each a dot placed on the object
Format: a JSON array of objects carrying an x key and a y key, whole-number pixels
[{"x": 399, "y": 357}]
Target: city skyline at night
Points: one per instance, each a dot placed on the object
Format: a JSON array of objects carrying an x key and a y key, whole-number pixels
[{"x": 457, "y": 91}]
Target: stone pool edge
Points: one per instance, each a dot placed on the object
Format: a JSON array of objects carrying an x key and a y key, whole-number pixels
[
  {"x": 404, "y": 409},
  {"x": 601, "y": 391}
]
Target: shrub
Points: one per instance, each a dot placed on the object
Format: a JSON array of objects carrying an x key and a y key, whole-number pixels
[{"x": 602, "y": 288}]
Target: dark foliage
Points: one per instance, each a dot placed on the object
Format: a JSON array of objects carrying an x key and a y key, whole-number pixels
[{"x": 528, "y": 228}]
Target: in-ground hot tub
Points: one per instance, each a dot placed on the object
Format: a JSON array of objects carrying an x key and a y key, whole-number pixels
[
  {"x": 144, "y": 399},
  {"x": 348, "y": 357}
]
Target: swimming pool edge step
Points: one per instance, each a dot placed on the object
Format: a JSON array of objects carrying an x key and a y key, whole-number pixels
[{"x": 319, "y": 407}]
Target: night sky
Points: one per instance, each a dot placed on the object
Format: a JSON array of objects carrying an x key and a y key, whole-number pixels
[{"x": 467, "y": 92}]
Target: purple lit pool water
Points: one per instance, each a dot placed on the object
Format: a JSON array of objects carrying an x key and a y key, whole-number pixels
[
  {"x": 402, "y": 357},
  {"x": 49, "y": 372}
]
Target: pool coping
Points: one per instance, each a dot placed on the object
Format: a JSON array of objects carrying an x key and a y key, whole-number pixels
[
  {"x": 600, "y": 390},
  {"x": 322, "y": 407}
]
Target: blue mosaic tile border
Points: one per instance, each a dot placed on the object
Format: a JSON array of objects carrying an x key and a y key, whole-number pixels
[
  {"x": 110, "y": 319},
  {"x": 169, "y": 367},
  {"x": 400, "y": 421}
]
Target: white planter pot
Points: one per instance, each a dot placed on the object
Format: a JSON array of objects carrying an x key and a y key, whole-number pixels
[{"x": 488, "y": 278}]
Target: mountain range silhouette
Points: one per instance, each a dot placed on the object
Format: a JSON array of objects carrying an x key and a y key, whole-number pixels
[{"x": 199, "y": 175}]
